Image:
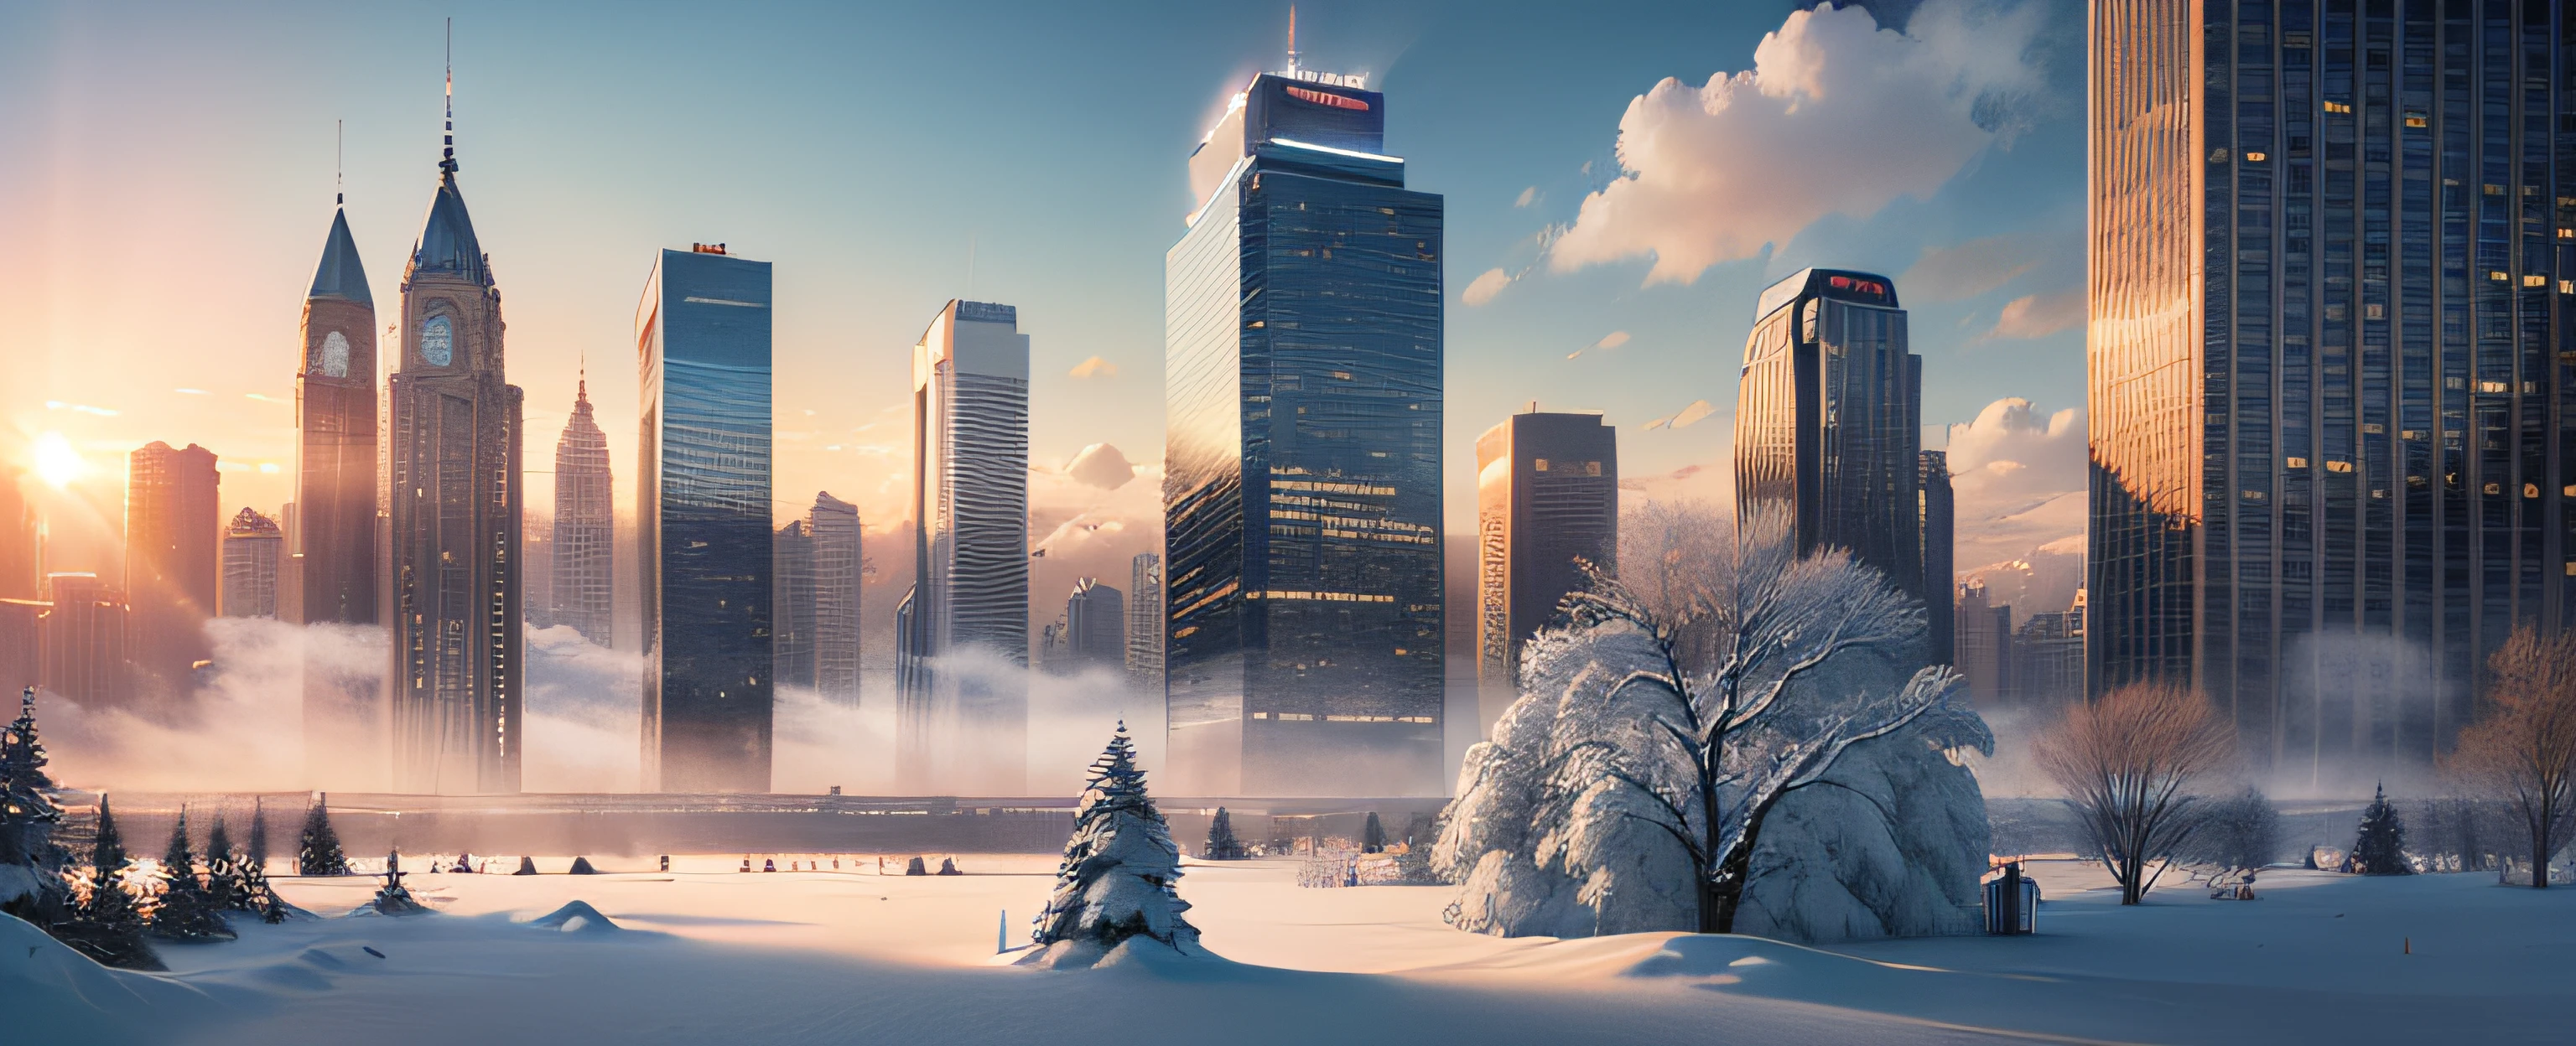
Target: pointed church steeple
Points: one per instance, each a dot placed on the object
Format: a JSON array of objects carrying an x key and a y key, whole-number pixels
[
  {"x": 447, "y": 242},
  {"x": 340, "y": 275}
]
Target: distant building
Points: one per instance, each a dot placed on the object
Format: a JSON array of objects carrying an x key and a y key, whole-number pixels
[
  {"x": 2048, "y": 669},
  {"x": 84, "y": 640},
  {"x": 1547, "y": 496},
  {"x": 1145, "y": 624},
  {"x": 702, "y": 516},
  {"x": 1302, "y": 503},
  {"x": 537, "y": 569},
  {"x": 958, "y": 726},
  {"x": 329, "y": 573},
  {"x": 173, "y": 570},
  {"x": 1984, "y": 647},
  {"x": 839, "y": 570},
  {"x": 1934, "y": 497},
  {"x": 252, "y": 548},
  {"x": 584, "y": 540},
  {"x": 22, "y": 646},
  {"x": 1095, "y": 619},
  {"x": 1828, "y": 422},
  {"x": 18, "y": 540},
  {"x": 791, "y": 572}
]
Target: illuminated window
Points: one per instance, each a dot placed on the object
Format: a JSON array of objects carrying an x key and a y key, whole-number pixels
[
  {"x": 2498, "y": 275},
  {"x": 2298, "y": 463},
  {"x": 2534, "y": 280},
  {"x": 2338, "y": 466},
  {"x": 2416, "y": 120},
  {"x": 2253, "y": 157},
  {"x": 2338, "y": 107}
]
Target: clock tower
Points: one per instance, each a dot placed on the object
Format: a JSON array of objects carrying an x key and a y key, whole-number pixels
[{"x": 450, "y": 588}]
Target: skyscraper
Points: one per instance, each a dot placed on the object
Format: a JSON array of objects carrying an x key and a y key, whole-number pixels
[
  {"x": 1145, "y": 624},
  {"x": 451, "y": 588},
  {"x": 584, "y": 526},
  {"x": 1547, "y": 494},
  {"x": 172, "y": 568},
  {"x": 2332, "y": 456},
  {"x": 84, "y": 640},
  {"x": 330, "y": 570},
  {"x": 1302, "y": 340},
  {"x": 961, "y": 721},
  {"x": 252, "y": 547},
  {"x": 1828, "y": 422},
  {"x": 702, "y": 522},
  {"x": 838, "y": 572},
  {"x": 1095, "y": 619},
  {"x": 1938, "y": 525},
  {"x": 791, "y": 581},
  {"x": 1984, "y": 642}
]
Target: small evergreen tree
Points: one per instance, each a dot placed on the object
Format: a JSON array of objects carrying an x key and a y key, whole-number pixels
[
  {"x": 178, "y": 862},
  {"x": 2381, "y": 849},
  {"x": 107, "y": 850},
  {"x": 187, "y": 912},
  {"x": 105, "y": 923},
  {"x": 1221, "y": 843},
  {"x": 393, "y": 898},
  {"x": 1373, "y": 835},
  {"x": 257, "y": 848},
  {"x": 1116, "y": 881},
  {"x": 27, "y": 819},
  {"x": 221, "y": 865},
  {"x": 318, "y": 853}
]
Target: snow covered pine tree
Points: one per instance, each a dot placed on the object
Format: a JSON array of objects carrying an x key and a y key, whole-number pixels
[
  {"x": 186, "y": 911},
  {"x": 1221, "y": 842},
  {"x": 104, "y": 922},
  {"x": 318, "y": 853},
  {"x": 2381, "y": 849},
  {"x": 31, "y": 866},
  {"x": 1115, "y": 884}
]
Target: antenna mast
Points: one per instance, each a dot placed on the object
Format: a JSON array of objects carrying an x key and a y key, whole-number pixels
[
  {"x": 340, "y": 162},
  {"x": 1292, "y": 40},
  {"x": 447, "y": 158}
]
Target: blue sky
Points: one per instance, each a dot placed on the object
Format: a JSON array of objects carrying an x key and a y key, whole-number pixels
[{"x": 169, "y": 171}]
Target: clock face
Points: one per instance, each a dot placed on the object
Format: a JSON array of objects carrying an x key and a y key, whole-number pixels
[
  {"x": 437, "y": 341},
  {"x": 335, "y": 356}
]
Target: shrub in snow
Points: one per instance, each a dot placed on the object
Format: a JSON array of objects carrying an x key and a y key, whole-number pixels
[
  {"x": 2237, "y": 833},
  {"x": 1221, "y": 843},
  {"x": 1373, "y": 835},
  {"x": 393, "y": 898},
  {"x": 948, "y": 866},
  {"x": 1660, "y": 743},
  {"x": 2381, "y": 848},
  {"x": 581, "y": 866},
  {"x": 2128, "y": 763},
  {"x": 318, "y": 851},
  {"x": 914, "y": 867},
  {"x": 1116, "y": 882}
]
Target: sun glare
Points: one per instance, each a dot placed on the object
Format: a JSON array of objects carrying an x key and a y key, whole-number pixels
[{"x": 56, "y": 461}]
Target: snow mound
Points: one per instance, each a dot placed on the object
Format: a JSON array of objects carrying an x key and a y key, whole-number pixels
[
  {"x": 55, "y": 994},
  {"x": 1140, "y": 954},
  {"x": 575, "y": 917}
]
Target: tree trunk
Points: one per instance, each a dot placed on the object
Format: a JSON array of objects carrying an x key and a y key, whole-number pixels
[{"x": 1735, "y": 870}]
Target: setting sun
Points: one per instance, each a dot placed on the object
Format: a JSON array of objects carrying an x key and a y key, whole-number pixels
[{"x": 56, "y": 461}]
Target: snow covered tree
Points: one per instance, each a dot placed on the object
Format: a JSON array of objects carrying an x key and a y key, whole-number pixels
[
  {"x": 1658, "y": 733},
  {"x": 220, "y": 861},
  {"x": 107, "y": 846},
  {"x": 1373, "y": 835},
  {"x": 1221, "y": 842},
  {"x": 2381, "y": 848},
  {"x": 186, "y": 912},
  {"x": 31, "y": 864},
  {"x": 103, "y": 920},
  {"x": 2523, "y": 752},
  {"x": 393, "y": 898},
  {"x": 1116, "y": 881},
  {"x": 318, "y": 852},
  {"x": 2128, "y": 763},
  {"x": 256, "y": 850}
]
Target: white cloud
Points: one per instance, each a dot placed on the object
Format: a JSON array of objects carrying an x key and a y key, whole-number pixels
[
  {"x": 1484, "y": 287},
  {"x": 1966, "y": 270},
  {"x": 1697, "y": 410},
  {"x": 1095, "y": 367},
  {"x": 1528, "y": 196},
  {"x": 1836, "y": 117},
  {"x": 2017, "y": 481},
  {"x": 2039, "y": 315},
  {"x": 1100, "y": 465},
  {"x": 1609, "y": 341}
]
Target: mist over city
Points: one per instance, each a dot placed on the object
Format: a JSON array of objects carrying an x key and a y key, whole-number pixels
[{"x": 1902, "y": 521}]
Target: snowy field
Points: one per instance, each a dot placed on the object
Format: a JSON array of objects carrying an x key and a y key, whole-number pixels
[{"x": 709, "y": 955}]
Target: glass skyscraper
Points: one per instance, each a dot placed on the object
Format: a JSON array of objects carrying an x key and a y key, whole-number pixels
[
  {"x": 1302, "y": 332},
  {"x": 1828, "y": 422},
  {"x": 584, "y": 527},
  {"x": 2331, "y": 459},
  {"x": 1547, "y": 494},
  {"x": 702, "y": 522}
]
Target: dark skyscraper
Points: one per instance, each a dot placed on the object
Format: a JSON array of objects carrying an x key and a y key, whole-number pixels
[
  {"x": 702, "y": 522},
  {"x": 791, "y": 572},
  {"x": 838, "y": 572},
  {"x": 1302, "y": 506},
  {"x": 1828, "y": 422},
  {"x": 330, "y": 570},
  {"x": 173, "y": 570},
  {"x": 1938, "y": 528},
  {"x": 1095, "y": 619},
  {"x": 451, "y": 591},
  {"x": 252, "y": 547},
  {"x": 2331, "y": 441},
  {"x": 585, "y": 518},
  {"x": 1547, "y": 494}
]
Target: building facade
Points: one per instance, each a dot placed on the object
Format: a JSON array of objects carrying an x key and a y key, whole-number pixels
[
  {"x": 1984, "y": 646},
  {"x": 1828, "y": 422},
  {"x": 329, "y": 575},
  {"x": 1547, "y": 501},
  {"x": 450, "y": 592},
  {"x": 961, "y": 721},
  {"x": 702, "y": 522},
  {"x": 1302, "y": 502},
  {"x": 1095, "y": 619},
  {"x": 839, "y": 569},
  {"x": 582, "y": 550},
  {"x": 2331, "y": 284},
  {"x": 1938, "y": 522},
  {"x": 83, "y": 641},
  {"x": 173, "y": 567},
  {"x": 1145, "y": 624},
  {"x": 253, "y": 547},
  {"x": 791, "y": 615}
]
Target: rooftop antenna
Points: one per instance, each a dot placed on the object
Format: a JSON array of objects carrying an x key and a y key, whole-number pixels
[
  {"x": 447, "y": 158},
  {"x": 1292, "y": 40},
  {"x": 340, "y": 162}
]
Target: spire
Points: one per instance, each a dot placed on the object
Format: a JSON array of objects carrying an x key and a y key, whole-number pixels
[
  {"x": 447, "y": 157},
  {"x": 1292, "y": 39},
  {"x": 340, "y": 275},
  {"x": 447, "y": 242}
]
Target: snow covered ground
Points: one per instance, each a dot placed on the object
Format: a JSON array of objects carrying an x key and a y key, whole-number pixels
[{"x": 708, "y": 955}]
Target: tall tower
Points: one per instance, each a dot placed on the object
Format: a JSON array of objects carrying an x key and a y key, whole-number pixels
[
  {"x": 791, "y": 615},
  {"x": 2331, "y": 287},
  {"x": 584, "y": 519},
  {"x": 1145, "y": 624},
  {"x": 1095, "y": 617},
  {"x": 329, "y": 575},
  {"x": 961, "y": 722},
  {"x": 172, "y": 567},
  {"x": 702, "y": 497},
  {"x": 451, "y": 588},
  {"x": 1547, "y": 494},
  {"x": 1939, "y": 526},
  {"x": 1302, "y": 340},
  {"x": 838, "y": 569}
]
